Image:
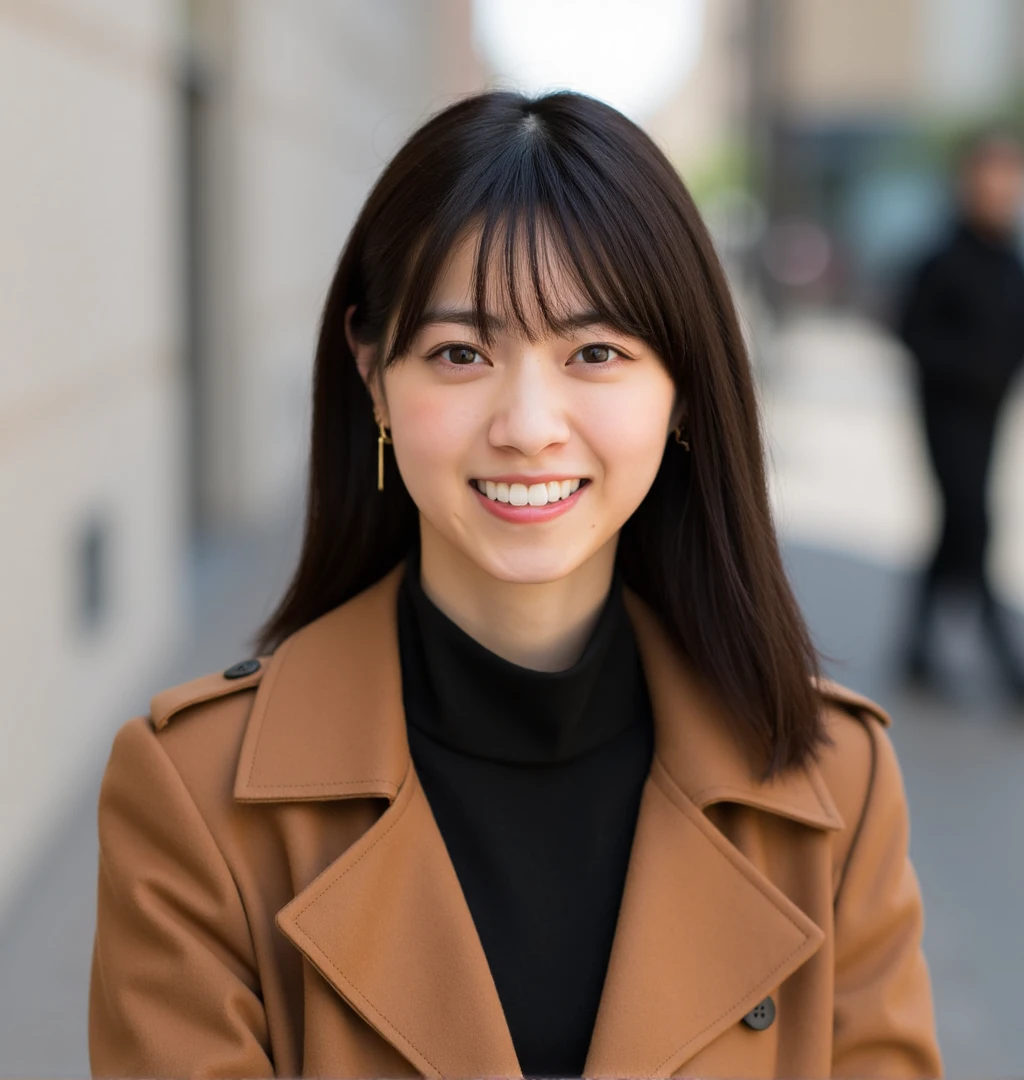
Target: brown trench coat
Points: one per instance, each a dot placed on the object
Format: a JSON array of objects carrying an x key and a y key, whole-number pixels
[{"x": 275, "y": 896}]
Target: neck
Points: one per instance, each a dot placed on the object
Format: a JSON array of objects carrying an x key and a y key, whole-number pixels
[
  {"x": 999, "y": 232},
  {"x": 544, "y": 626}
]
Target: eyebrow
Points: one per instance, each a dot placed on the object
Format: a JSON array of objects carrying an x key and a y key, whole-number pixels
[{"x": 467, "y": 317}]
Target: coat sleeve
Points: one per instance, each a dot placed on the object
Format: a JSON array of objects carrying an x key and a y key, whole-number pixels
[
  {"x": 883, "y": 1022},
  {"x": 174, "y": 990}
]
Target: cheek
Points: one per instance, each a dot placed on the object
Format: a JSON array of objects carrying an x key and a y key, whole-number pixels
[
  {"x": 626, "y": 430},
  {"x": 432, "y": 434}
]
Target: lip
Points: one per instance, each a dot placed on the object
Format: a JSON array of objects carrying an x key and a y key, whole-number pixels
[
  {"x": 541, "y": 478},
  {"x": 528, "y": 515}
]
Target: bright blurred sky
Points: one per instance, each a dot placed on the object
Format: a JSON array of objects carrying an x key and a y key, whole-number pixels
[{"x": 633, "y": 54}]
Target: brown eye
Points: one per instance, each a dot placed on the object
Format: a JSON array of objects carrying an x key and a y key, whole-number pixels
[
  {"x": 596, "y": 354},
  {"x": 459, "y": 354}
]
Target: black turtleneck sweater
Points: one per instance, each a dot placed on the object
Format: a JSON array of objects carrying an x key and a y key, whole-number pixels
[{"x": 534, "y": 779}]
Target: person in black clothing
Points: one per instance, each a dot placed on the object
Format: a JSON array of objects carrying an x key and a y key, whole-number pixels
[{"x": 962, "y": 319}]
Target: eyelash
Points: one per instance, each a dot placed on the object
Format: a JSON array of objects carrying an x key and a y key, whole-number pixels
[{"x": 622, "y": 357}]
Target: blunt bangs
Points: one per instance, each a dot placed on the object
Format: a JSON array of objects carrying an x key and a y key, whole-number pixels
[{"x": 540, "y": 202}]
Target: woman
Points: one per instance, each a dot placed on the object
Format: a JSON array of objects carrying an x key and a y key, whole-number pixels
[{"x": 535, "y": 774}]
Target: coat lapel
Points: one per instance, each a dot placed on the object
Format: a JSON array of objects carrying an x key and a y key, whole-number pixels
[
  {"x": 388, "y": 927},
  {"x": 702, "y": 935},
  {"x": 386, "y": 924}
]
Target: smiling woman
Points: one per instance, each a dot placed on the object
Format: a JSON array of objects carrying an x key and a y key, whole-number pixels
[
  {"x": 549, "y": 396},
  {"x": 536, "y": 774},
  {"x": 552, "y": 230}
]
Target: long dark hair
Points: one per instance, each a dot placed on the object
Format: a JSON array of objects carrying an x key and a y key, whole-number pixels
[{"x": 570, "y": 173}]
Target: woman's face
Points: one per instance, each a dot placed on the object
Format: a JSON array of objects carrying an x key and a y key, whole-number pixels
[{"x": 525, "y": 458}]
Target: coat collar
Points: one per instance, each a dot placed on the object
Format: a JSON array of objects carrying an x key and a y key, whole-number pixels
[
  {"x": 328, "y": 720},
  {"x": 702, "y": 935}
]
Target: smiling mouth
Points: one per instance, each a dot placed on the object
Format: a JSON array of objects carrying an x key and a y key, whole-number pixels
[{"x": 529, "y": 494}]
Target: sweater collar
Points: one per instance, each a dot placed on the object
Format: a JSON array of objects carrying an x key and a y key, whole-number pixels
[
  {"x": 327, "y": 721},
  {"x": 474, "y": 701}
]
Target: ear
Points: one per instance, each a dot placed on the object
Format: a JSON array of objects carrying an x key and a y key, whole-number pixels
[
  {"x": 364, "y": 356},
  {"x": 680, "y": 413}
]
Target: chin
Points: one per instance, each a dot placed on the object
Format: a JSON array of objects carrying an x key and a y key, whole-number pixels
[{"x": 529, "y": 567}]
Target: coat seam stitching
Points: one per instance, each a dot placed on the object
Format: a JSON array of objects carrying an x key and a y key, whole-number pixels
[
  {"x": 325, "y": 783},
  {"x": 860, "y": 820},
  {"x": 271, "y": 680},
  {"x": 771, "y": 899},
  {"x": 348, "y": 869},
  {"x": 327, "y": 962},
  {"x": 167, "y": 715},
  {"x": 681, "y": 1049},
  {"x": 781, "y": 807}
]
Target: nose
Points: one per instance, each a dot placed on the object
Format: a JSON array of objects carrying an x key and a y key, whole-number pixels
[{"x": 529, "y": 414}]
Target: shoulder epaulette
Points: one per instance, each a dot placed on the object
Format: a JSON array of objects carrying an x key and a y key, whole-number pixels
[
  {"x": 174, "y": 700},
  {"x": 851, "y": 700}
]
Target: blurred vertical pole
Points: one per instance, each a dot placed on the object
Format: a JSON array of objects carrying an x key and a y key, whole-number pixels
[
  {"x": 194, "y": 90},
  {"x": 764, "y": 36},
  {"x": 209, "y": 241},
  {"x": 1017, "y": 39}
]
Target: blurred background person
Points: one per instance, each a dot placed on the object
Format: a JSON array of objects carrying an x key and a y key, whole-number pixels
[{"x": 963, "y": 321}]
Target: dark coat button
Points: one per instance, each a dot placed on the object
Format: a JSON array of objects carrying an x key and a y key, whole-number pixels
[
  {"x": 241, "y": 669},
  {"x": 761, "y": 1016}
]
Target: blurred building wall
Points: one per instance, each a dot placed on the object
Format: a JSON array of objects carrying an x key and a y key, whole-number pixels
[
  {"x": 879, "y": 56},
  {"x": 178, "y": 179},
  {"x": 295, "y": 109},
  {"x": 90, "y": 401},
  {"x": 708, "y": 110},
  {"x": 973, "y": 54},
  {"x": 849, "y": 58}
]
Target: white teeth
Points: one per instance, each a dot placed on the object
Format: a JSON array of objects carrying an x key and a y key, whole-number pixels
[{"x": 527, "y": 494}]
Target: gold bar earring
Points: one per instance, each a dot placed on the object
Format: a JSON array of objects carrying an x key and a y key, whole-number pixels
[
  {"x": 382, "y": 438},
  {"x": 684, "y": 443}
]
